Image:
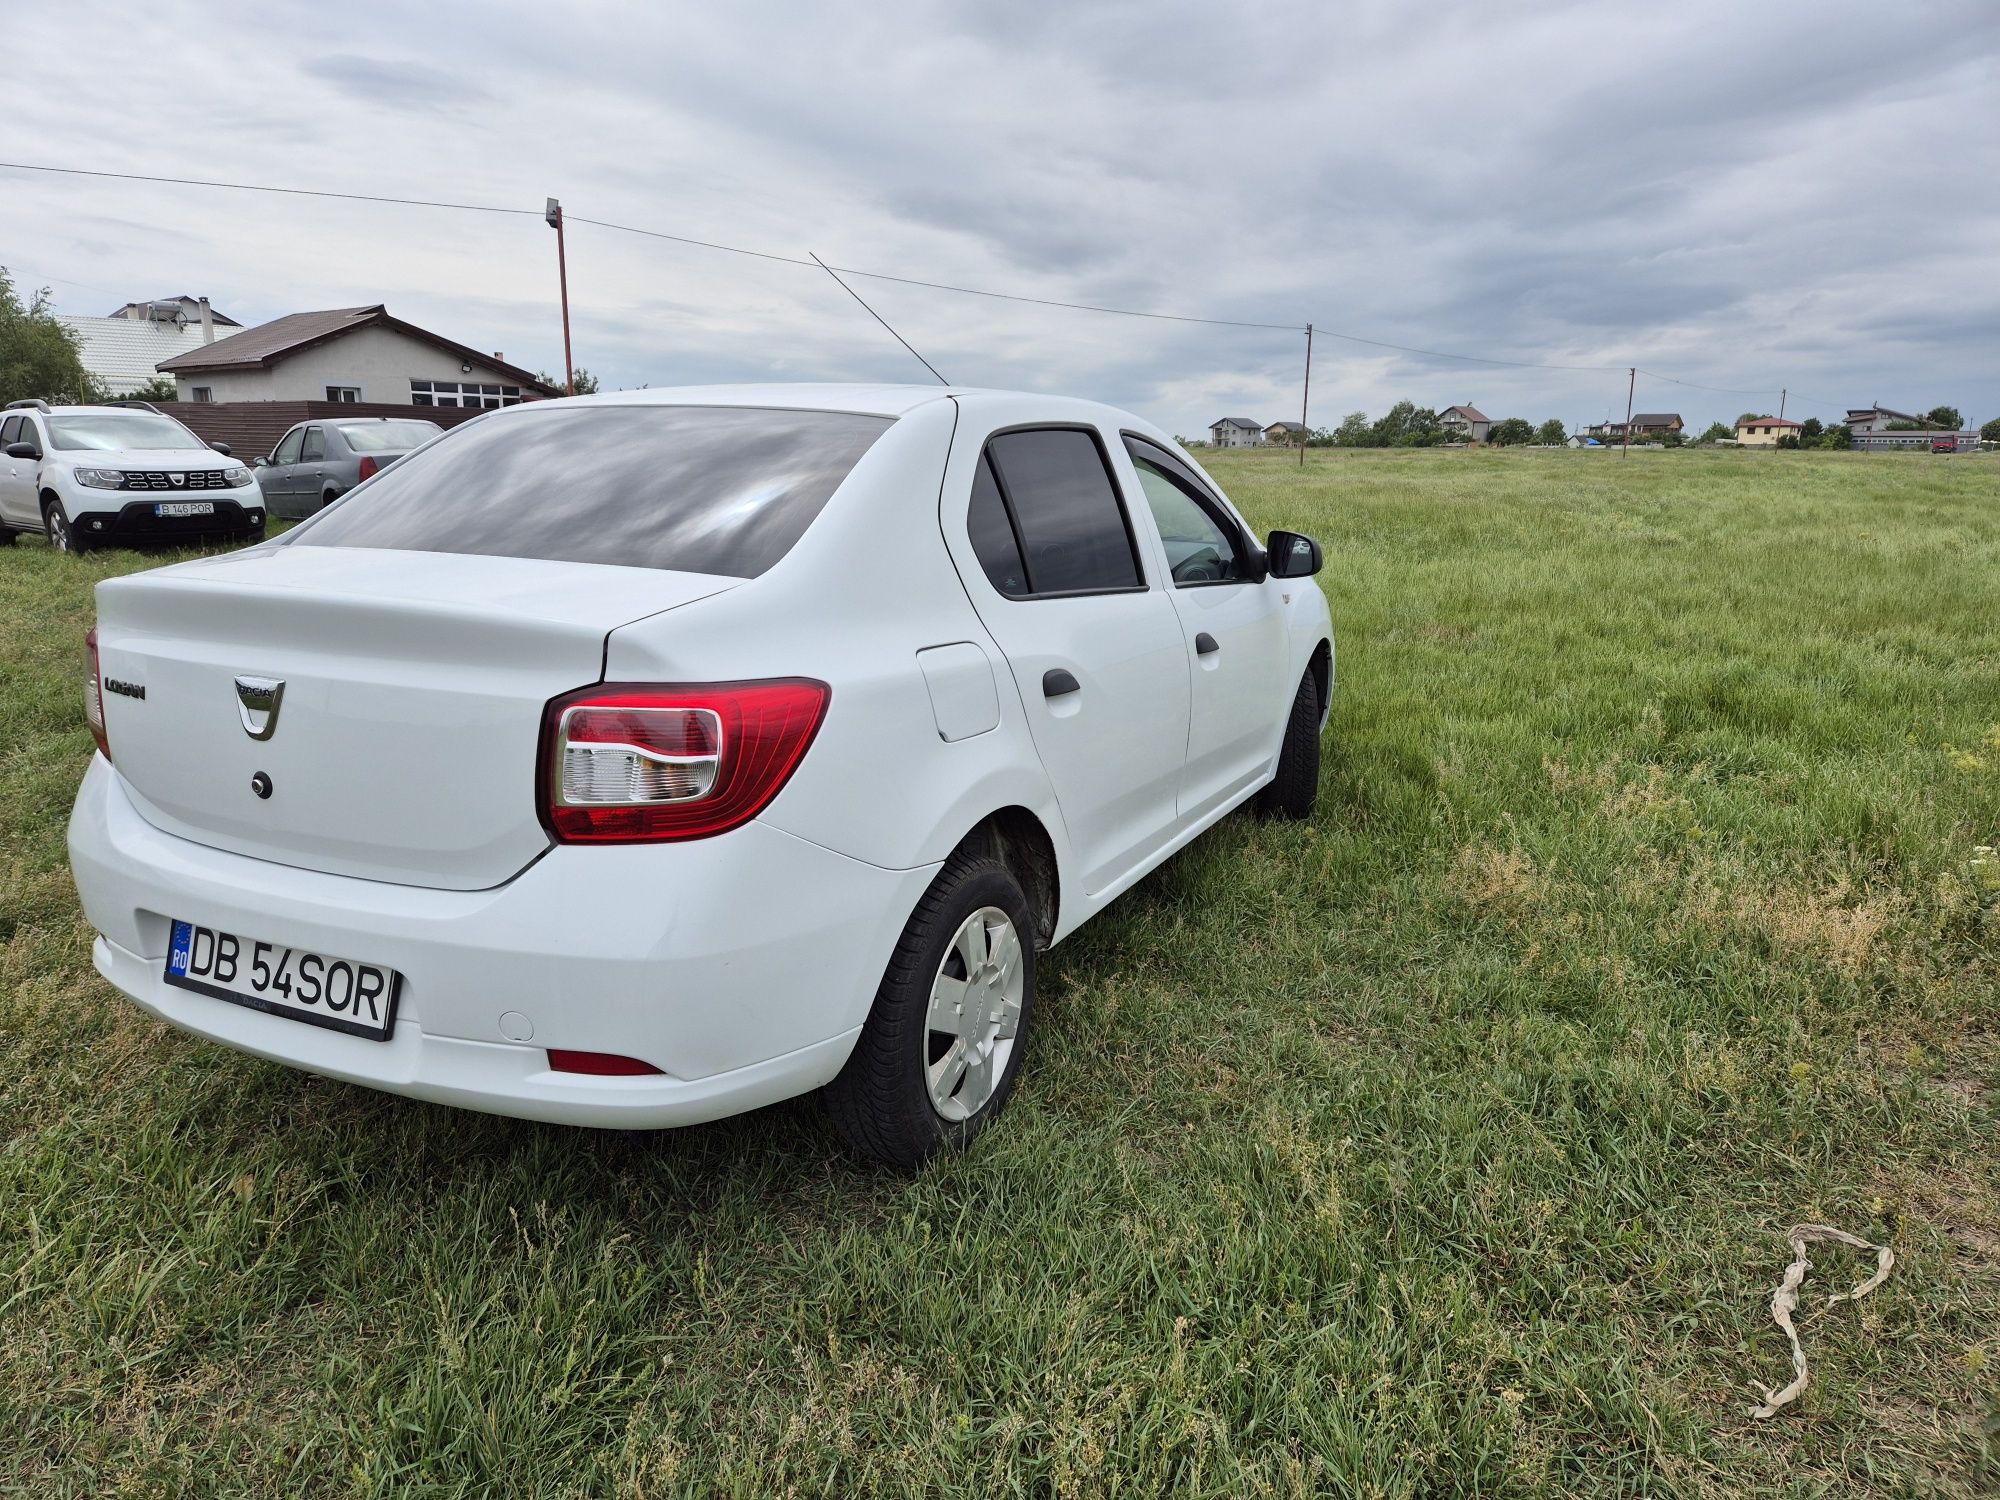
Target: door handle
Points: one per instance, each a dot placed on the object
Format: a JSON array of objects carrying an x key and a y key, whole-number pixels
[
  {"x": 1058, "y": 682},
  {"x": 1206, "y": 644}
]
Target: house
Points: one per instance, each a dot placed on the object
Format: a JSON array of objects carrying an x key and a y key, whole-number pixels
[
  {"x": 1867, "y": 419},
  {"x": 122, "y": 351},
  {"x": 349, "y": 354},
  {"x": 1933, "y": 439},
  {"x": 1656, "y": 423},
  {"x": 1235, "y": 432},
  {"x": 1285, "y": 432},
  {"x": 1764, "y": 432},
  {"x": 1466, "y": 424},
  {"x": 189, "y": 309}
]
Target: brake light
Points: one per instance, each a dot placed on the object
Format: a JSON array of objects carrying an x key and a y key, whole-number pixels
[
  {"x": 368, "y": 466},
  {"x": 641, "y": 762},
  {"x": 93, "y": 694}
]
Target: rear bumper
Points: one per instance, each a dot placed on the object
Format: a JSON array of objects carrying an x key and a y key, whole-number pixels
[{"x": 742, "y": 966}]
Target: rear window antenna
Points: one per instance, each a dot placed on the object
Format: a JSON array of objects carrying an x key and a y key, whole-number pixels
[{"x": 879, "y": 318}]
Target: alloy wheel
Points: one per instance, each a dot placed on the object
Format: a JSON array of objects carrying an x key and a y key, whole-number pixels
[{"x": 974, "y": 1014}]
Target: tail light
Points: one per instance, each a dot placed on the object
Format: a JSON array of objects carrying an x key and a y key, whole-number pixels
[
  {"x": 637, "y": 763},
  {"x": 598, "y": 1064},
  {"x": 368, "y": 466},
  {"x": 93, "y": 694}
]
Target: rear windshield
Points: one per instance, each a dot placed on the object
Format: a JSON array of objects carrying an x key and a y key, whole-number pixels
[
  {"x": 387, "y": 437},
  {"x": 698, "y": 489},
  {"x": 106, "y": 431}
]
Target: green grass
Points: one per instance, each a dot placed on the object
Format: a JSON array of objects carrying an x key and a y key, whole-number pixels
[{"x": 1443, "y": 1145}]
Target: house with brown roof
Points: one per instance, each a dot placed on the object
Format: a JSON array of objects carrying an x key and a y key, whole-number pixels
[
  {"x": 1466, "y": 424},
  {"x": 349, "y": 354},
  {"x": 1764, "y": 432}
]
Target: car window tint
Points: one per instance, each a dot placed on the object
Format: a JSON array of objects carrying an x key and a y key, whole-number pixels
[
  {"x": 387, "y": 437},
  {"x": 1199, "y": 550},
  {"x": 10, "y": 431},
  {"x": 993, "y": 535},
  {"x": 1072, "y": 529},
  {"x": 698, "y": 489},
  {"x": 288, "y": 450},
  {"x": 315, "y": 445}
]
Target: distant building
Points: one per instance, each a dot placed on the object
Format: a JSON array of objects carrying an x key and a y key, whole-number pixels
[
  {"x": 1284, "y": 432},
  {"x": 1646, "y": 424},
  {"x": 1235, "y": 432},
  {"x": 1764, "y": 432},
  {"x": 124, "y": 350},
  {"x": 1934, "y": 440},
  {"x": 1866, "y": 419},
  {"x": 1466, "y": 424},
  {"x": 349, "y": 354}
]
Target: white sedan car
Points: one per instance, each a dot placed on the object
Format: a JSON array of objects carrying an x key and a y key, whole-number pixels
[{"x": 639, "y": 759}]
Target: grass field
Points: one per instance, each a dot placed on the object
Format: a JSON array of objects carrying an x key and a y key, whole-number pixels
[{"x": 1441, "y": 1146}]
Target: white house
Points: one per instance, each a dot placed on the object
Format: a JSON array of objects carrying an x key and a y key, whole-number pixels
[
  {"x": 1235, "y": 432},
  {"x": 1466, "y": 424},
  {"x": 123, "y": 350},
  {"x": 1866, "y": 419},
  {"x": 349, "y": 354}
]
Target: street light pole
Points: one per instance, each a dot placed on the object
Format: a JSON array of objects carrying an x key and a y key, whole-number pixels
[{"x": 553, "y": 213}]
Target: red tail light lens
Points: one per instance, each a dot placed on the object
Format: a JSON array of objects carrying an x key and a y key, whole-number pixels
[
  {"x": 93, "y": 694},
  {"x": 599, "y": 1064},
  {"x": 629, "y": 763},
  {"x": 368, "y": 466}
]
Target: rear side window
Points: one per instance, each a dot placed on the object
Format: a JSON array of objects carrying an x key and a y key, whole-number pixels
[
  {"x": 315, "y": 445},
  {"x": 993, "y": 539},
  {"x": 1057, "y": 491},
  {"x": 697, "y": 489}
]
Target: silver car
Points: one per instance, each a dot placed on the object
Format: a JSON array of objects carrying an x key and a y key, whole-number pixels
[{"x": 317, "y": 462}]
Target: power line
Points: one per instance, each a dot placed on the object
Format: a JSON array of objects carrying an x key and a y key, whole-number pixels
[{"x": 943, "y": 286}]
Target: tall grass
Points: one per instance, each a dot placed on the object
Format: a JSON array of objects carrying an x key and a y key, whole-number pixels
[{"x": 1442, "y": 1145}]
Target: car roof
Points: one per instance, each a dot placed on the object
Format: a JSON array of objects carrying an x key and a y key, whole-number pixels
[{"x": 868, "y": 400}]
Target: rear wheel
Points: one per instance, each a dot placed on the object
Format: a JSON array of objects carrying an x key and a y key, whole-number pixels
[
  {"x": 62, "y": 535},
  {"x": 1295, "y": 789},
  {"x": 942, "y": 1046}
]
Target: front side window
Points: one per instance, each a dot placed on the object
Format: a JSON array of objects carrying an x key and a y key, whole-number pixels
[
  {"x": 10, "y": 431},
  {"x": 1200, "y": 547},
  {"x": 315, "y": 448},
  {"x": 104, "y": 431},
  {"x": 1057, "y": 491},
  {"x": 696, "y": 489},
  {"x": 288, "y": 450}
]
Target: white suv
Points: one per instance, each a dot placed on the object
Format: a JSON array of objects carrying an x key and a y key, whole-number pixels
[
  {"x": 125, "y": 474},
  {"x": 639, "y": 759}
]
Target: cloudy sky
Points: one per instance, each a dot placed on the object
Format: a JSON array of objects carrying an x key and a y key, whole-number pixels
[{"x": 1801, "y": 195}]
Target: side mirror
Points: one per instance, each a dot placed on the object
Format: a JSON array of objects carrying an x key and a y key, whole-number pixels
[
  {"x": 1292, "y": 555},
  {"x": 23, "y": 450},
  {"x": 260, "y": 463},
  {"x": 222, "y": 448}
]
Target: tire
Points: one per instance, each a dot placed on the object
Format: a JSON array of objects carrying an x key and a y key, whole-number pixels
[
  {"x": 886, "y": 1101},
  {"x": 62, "y": 535},
  {"x": 1295, "y": 788},
  {"x": 328, "y": 498},
  {"x": 7, "y": 537}
]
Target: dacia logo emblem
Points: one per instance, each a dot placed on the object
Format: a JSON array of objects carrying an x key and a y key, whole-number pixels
[
  {"x": 178, "y": 479},
  {"x": 257, "y": 700}
]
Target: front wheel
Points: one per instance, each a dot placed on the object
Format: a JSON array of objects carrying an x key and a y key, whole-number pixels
[
  {"x": 1295, "y": 788},
  {"x": 62, "y": 535},
  {"x": 942, "y": 1045}
]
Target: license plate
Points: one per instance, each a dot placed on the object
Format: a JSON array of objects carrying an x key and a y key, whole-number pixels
[
  {"x": 338, "y": 993},
  {"x": 184, "y": 508}
]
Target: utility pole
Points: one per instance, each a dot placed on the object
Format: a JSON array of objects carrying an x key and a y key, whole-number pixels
[
  {"x": 553, "y": 214},
  {"x": 1781, "y": 404},
  {"x": 1631, "y": 385},
  {"x": 1305, "y": 398}
]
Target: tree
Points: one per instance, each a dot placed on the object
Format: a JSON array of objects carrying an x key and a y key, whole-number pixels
[
  {"x": 1810, "y": 431},
  {"x": 1990, "y": 433},
  {"x": 159, "y": 388},
  {"x": 1717, "y": 431},
  {"x": 1354, "y": 431},
  {"x": 1946, "y": 417},
  {"x": 1788, "y": 440},
  {"x": 586, "y": 383},
  {"x": 1511, "y": 433},
  {"x": 38, "y": 356},
  {"x": 1840, "y": 435},
  {"x": 1748, "y": 416},
  {"x": 1552, "y": 433}
]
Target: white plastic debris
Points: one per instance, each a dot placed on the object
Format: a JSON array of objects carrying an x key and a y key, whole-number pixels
[{"x": 1785, "y": 1300}]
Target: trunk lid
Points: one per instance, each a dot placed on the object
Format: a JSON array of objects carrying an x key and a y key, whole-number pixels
[{"x": 404, "y": 739}]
